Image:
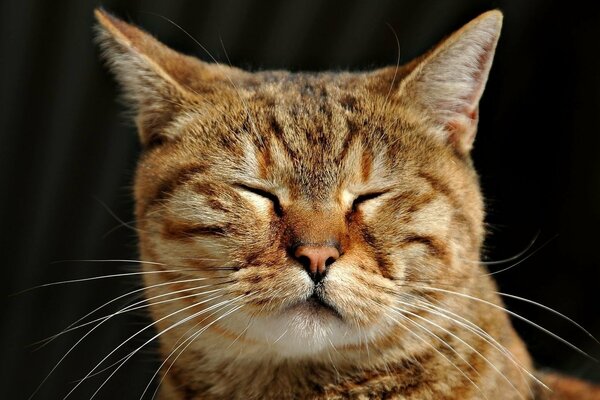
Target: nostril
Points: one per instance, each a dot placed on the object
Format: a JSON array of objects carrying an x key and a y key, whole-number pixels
[
  {"x": 305, "y": 261},
  {"x": 330, "y": 261}
]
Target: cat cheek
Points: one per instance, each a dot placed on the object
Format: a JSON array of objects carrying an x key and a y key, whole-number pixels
[{"x": 358, "y": 293}]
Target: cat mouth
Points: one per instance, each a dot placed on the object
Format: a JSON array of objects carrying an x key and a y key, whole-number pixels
[{"x": 317, "y": 304}]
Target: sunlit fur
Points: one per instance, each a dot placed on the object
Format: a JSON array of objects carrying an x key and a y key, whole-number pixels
[{"x": 216, "y": 137}]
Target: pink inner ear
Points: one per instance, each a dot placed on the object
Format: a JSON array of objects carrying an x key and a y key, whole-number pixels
[
  {"x": 452, "y": 78},
  {"x": 480, "y": 77},
  {"x": 469, "y": 107},
  {"x": 461, "y": 132}
]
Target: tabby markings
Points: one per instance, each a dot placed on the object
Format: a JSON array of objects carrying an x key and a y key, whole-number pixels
[
  {"x": 185, "y": 231},
  {"x": 168, "y": 186}
]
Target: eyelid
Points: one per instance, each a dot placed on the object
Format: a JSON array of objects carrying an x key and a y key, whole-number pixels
[
  {"x": 362, "y": 198},
  {"x": 263, "y": 193}
]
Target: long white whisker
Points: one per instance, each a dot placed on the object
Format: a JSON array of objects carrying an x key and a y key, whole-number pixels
[
  {"x": 555, "y": 336},
  {"x": 136, "y": 306},
  {"x": 397, "y": 64},
  {"x": 189, "y": 341},
  {"x": 239, "y": 335},
  {"x": 100, "y": 371},
  {"x": 425, "y": 341},
  {"x": 70, "y": 350},
  {"x": 142, "y": 289},
  {"x": 281, "y": 336},
  {"x": 94, "y": 278},
  {"x": 116, "y": 217},
  {"x": 131, "y": 354},
  {"x": 401, "y": 311},
  {"x": 491, "y": 364},
  {"x": 476, "y": 330},
  {"x": 524, "y": 258},
  {"x": 505, "y": 260},
  {"x": 119, "y": 260},
  {"x": 553, "y": 311},
  {"x": 566, "y": 318},
  {"x": 140, "y": 331}
]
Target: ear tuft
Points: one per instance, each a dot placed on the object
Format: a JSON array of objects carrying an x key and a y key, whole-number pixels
[{"x": 449, "y": 81}]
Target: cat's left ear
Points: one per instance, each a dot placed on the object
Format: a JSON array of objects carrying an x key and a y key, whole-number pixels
[
  {"x": 449, "y": 81},
  {"x": 158, "y": 82}
]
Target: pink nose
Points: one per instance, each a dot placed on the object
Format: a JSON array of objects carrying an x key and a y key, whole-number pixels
[{"x": 316, "y": 259}]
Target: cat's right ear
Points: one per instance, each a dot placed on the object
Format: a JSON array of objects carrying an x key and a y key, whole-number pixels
[
  {"x": 157, "y": 81},
  {"x": 448, "y": 81}
]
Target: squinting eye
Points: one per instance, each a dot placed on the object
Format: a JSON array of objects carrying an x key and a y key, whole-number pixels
[
  {"x": 364, "y": 198},
  {"x": 264, "y": 194}
]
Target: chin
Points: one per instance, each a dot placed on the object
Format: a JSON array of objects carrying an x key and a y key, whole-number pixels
[{"x": 305, "y": 330}]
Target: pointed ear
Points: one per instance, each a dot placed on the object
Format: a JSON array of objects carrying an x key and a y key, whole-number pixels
[
  {"x": 449, "y": 81},
  {"x": 157, "y": 81}
]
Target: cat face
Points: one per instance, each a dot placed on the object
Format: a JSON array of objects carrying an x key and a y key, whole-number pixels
[{"x": 313, "y": 202}]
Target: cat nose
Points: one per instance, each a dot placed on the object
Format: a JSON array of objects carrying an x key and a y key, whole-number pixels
[{"x": 316, "y": 259}]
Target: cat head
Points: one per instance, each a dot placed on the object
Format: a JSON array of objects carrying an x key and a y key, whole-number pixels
[{"x": 313, "y": 202}]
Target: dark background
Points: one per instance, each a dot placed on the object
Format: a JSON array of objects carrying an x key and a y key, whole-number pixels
[{"x": 67, "y": 156}]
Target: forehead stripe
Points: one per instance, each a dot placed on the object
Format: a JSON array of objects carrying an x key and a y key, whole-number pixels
[{"x": 176, "y": 179}]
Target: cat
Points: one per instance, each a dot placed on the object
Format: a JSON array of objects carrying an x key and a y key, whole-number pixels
[{"x": 317, "y": 235}]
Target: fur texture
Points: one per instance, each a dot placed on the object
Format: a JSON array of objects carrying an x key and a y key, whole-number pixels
[{"x": 240, "y": 168}]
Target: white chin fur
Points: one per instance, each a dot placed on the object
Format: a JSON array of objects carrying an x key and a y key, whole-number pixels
[{"x": 302, "y": 332}]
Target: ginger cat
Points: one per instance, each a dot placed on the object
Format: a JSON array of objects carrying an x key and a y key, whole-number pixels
[{"x": 317, "y": 235}]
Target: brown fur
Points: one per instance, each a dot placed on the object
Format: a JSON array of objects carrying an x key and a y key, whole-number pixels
[{"x": 239, "y": 168}]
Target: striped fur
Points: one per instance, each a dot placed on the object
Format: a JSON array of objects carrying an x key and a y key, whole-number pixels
[{"x": 240, "y": 167}]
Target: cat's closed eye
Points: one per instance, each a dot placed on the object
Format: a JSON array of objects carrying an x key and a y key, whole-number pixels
[
  {"x": 365, "y": 197},
  {"x": 265, "y": 194}
]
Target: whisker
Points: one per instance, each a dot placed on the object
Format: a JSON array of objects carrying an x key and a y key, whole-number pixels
[
  {"x": 225, "y": 51},
  {"x": 553, "y": 311},
  {"x": 391, "y": 87},
  {"x": 401, "y": 311},
  {"x": 476, "y": 330},
  {"x": 555, "y": 336},
  {"x": 524, "y": 258},
  {"x": 337, "y": 373},
  {"x": 100, "y": 371},
  {"x": 116, "y": 217},
  {"x": 117, "y": 227},
  {"x": 281, "y": 336},
  {"x": 509, "y": 259},
  {"x": 463, "y": 342},
  {"x": 366, "y": 343},
  {"x": 132, "y": 261},
  {"x": 397, "y": 63},
  {"x": 240, "y": 335},
  {"x": 189, "y": 341},
  {"x": 135, "y": 306},
  {"x": 108, "y": 260},
  {"x": 426, "y": 342},
  {"x": 76, "y": 344},
  {"x": 142, "y": 289},
  {"x": 119, "y": 275},
  {"x": 547, "y": 308},
  {"x": 150, "y": 340}
]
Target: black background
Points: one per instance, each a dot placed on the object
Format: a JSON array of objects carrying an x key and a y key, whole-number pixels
[{"x": 67, "y": 155}]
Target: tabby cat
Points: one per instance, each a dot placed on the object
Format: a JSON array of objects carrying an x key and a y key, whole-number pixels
[{"x": 317, "y": 235}]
